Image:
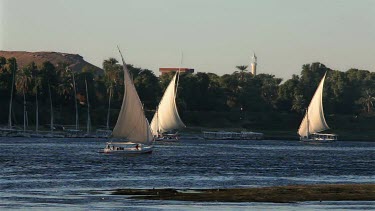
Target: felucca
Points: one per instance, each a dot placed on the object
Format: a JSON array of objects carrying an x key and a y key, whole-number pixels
[
  {"x": 132, "y": 127},
  {"x": 166, "y": 118},
  {"x": 314, "y": 121}
]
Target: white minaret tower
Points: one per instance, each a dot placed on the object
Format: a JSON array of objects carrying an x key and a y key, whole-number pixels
[{"x": 254, "y": 65}]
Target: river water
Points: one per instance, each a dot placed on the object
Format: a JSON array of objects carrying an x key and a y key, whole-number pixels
[{"x": 66, "y": 174}]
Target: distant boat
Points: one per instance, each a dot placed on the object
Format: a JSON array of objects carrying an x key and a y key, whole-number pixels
[
  {"x": 166, "y": 118},
  {"x": 314, "y": 121},
  {"x": 223, "y": 135},
  {"x": 132, "y": 127}
]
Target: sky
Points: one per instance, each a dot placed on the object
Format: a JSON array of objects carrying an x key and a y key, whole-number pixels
[{"x": 214, "y": 35}]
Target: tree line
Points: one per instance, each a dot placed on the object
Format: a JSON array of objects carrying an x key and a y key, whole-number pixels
[{"x": 351, "y": 92}]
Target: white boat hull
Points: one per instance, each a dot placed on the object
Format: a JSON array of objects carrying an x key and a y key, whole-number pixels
[
  {"x": 172, "y": 137},
  {"x": 128, "y": 148},
  {"x": 320, "y": 138}
]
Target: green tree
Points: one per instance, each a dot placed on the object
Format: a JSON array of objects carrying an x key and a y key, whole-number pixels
[
  {"x": 111, "y": 69},
  {"x": 286, "y": 93},
  {"x": 298, "y": 103},
  {"x": 147, "y": 86},
  {"x": 242, "y": 69},
  {"x": 65, "y": 86},
  {"x": 216, "y": 99},
  {"x": 23, "y": 79},
  {"x": 366, "y": 100},
  {"x": 49, "y": 76},
  {"x": 11, "y": 68},
  {"x": 269, "y": 86},
  {"x": 231, "y": 86},
  {"x": 3, "y": 62},
  {"x": 36, "y": 82}
]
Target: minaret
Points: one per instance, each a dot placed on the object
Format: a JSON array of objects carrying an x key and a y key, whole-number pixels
[{"x": 254, "y": 65}]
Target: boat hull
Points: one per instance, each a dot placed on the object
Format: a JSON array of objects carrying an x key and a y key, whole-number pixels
[
  {"x": 320, "y": 138},
  {"x": 127, "y": 148},
  {"x": 222, "y": 135},
  {"x": 128, "y": 152},
  {"x": 168, "y": 137}
]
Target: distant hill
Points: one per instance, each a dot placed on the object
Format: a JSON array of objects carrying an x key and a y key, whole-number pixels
[{"x": 75, "y": 61}]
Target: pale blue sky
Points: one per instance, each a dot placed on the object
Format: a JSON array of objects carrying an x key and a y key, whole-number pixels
[{"x": 215, "y": 35}]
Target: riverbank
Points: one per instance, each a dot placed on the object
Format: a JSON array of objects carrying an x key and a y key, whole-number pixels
[
  {"x": 280, "y": 194},
  {"x": 194, "y": 132},
  {"x": 344, "y": 135}
]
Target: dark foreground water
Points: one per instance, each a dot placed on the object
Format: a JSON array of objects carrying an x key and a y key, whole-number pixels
[{"x": 70, "y": 174}]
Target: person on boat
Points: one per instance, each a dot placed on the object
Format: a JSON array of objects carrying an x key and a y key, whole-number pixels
[{"x": 137, "y": 147}]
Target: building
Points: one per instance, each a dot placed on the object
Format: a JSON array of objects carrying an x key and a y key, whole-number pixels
[
  {"x": 254, "y": 65},
  {"x": 164, "y": 70}
]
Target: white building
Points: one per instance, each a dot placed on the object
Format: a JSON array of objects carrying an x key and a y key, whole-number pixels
[{"x": 254, "y": 65}]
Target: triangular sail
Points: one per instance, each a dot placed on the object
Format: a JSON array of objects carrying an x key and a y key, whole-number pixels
[
  {"x": 314, "y": 117},
  {"x": 132, "y": 123},
  {"x": 166, "y": 117}
]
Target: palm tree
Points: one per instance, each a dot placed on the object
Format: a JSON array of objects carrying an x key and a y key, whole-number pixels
[
  {"x": 37, "y": 81},
  {"x": 50, "y": 78},
  {"x": 243, "y": 69},
  {"x": 367, "y": 100},
  {"x": 12, "y": 64},
  {"x": 51, "y": 105},
  {"x": 111, "y": 79},
  {"x": 22, "y": 85},
  {"x": 75, "y": 99},
  {"x": 37, "y": 85},
  {"x": 66, "y": 87}
]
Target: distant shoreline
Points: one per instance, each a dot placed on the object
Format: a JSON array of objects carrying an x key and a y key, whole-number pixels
[
  {"x": 289, "y": 135},
  {"x": 279, "y": 194},
  {"x": 281, "y": 135}
]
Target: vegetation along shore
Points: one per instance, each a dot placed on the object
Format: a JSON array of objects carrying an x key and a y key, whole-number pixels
[{"x": 237, "y": 100}]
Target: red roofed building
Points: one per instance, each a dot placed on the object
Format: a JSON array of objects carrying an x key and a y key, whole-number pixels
[{"x": 164, "y": 70}]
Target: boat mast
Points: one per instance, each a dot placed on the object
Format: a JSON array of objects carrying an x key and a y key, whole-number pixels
[
  {"x": 147, "y": 130},
  {"x": 37, "y": 111},
  {"x": 50, "y": 99},
  {"x": 88, "y": 108},
  {"x": 75, "y": 96},
  {"x": 307, "y": 122},
  {"x": 11, "y": 96},
  {"x": 178, "y": 76},
  {"x": 109, "y": 105},
  {"x": 157, "y": 120},
  {"x": 75, "y": 101},
  {"x": 24, "y": 110}
]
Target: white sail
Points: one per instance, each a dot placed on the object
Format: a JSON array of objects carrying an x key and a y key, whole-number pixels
[
  {"x": 132, "y": 123},
  {"x": 166, "y": 117},
  {"x": 314, "y": 120}
]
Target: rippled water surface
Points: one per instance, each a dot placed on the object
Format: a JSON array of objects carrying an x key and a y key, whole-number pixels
[{"x": 71, "y": 174}]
